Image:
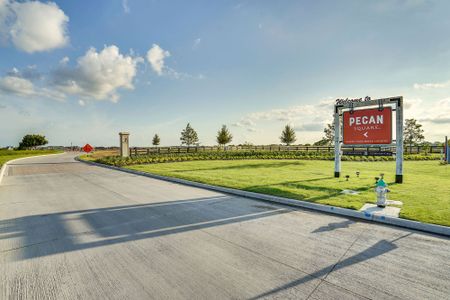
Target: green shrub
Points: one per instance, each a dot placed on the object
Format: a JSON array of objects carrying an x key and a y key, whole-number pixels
[{"x": 237, "y": 155}]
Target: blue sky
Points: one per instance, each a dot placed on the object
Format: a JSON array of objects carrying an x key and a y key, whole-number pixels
[{"x": 81, "y": 71}]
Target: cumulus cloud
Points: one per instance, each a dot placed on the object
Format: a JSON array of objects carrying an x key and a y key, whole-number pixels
[
  {"x": 314, "y": 126},
  {"x": 98, "y": 75},
  {"x": 307, "y": 117},
  {"x": 64, "y": 60},
  {"x": 16, "y": 85},
  {"x": 244, "y": 122},
  {"x": 30, "y": 73},
  {"x": 4, "y": 13},
  {"x": 438, "y": 113},
  {"x": 81, "y": 102},
  {"x": 23, "y": 87},
  {"x": 196, "y": 43},
  {"x": 126, "y": 6},
  {"x": 33, "y": 26},
  {"x": 156, "y": 56},
  {"x": 290, "y": 114}
]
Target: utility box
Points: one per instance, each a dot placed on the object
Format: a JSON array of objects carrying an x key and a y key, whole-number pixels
[{"x": 124, "y": 144}]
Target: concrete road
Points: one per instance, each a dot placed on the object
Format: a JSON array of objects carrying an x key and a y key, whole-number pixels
[{"x": 69, "y": 230}]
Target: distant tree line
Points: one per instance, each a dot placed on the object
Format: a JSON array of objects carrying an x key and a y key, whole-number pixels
[{"x": 412, "y": 135}]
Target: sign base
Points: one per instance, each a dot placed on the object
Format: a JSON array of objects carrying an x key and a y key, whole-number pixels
[
  {"x": 337, "y": 174},
  {"x": 398, "y": 178}
]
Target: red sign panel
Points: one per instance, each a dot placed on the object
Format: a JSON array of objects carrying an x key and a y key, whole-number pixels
[
  {"x": 368, "y": 126},
  {"x": 87, "y": 148}
]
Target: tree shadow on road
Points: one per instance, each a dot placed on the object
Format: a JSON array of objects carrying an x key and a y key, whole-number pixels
[
  {"x": 380, "y": 248},
  {"x": 48, "y": 234}
]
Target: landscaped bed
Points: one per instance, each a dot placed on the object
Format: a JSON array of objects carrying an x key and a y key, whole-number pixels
[
  {"x": 425, "y": 193},
  {"x": 105, "y": 157}
]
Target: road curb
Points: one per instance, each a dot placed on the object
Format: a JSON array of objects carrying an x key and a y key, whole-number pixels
[
  {"x": 4, "y": 166},
  {"x": 425, "y": 227}
]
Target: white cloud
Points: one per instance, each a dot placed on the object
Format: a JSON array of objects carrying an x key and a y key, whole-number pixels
[
  {"x": 64, "y": 60},
  {"x": 438, "y": 113},
  {"x": 30, "y": 73},
  {"x": 428, "y": 86},
  {"x": 244, "y": 122},
  {"x": 284, "y": 114},
  {"x": 24, "y": 87},
  {"x": 33, "y": 26},
  {"x": 4, "y": 12},
  {"x": 17, "y": 86},
  {"x": 98, "y": 75},
  {"x": 81, "y": 102},
  {"x": 196, "y": 43},
  {"x": 308, "y": 118},
  {"x": 126, "y": 6},
  {"x": 156, "y": 56}
]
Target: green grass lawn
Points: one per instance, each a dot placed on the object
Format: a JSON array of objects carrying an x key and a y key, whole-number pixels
[
  {"x": 6, "y": 155},
  {"x": 425, "y": 192}
]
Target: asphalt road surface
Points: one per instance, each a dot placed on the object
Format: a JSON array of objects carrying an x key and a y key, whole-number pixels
[{"x": 70, "y": 230}]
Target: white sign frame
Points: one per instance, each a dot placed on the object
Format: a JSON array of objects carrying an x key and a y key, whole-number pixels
[{"x": 398, "y": 109}]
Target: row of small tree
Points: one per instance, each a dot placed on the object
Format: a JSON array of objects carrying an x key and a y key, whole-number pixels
[
  {"x": 412, "y": 135},
  {"x": 190, "y": 137}
]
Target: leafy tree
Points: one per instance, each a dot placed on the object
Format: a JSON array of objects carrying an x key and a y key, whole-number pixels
[
  {"x": 156, "y": 140},
  {"x": 329, "y": 134},
  {"x": 412, "y": 133},
  {"x": 30, "y": 141},
  {"x": 288, "y": 135},
  {"x": 322, "y": 142},
  {"x": 189, "y": 136},
  {"x": 224, "y": 136}
]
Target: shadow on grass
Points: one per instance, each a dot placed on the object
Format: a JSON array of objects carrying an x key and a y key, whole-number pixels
[
  {"x": 275, "y": 164},
  {"x": 276, "y": 189}
]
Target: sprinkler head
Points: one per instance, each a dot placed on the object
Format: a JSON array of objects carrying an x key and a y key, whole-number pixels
[
  {"x": 357, "y": 174},
  {"x": 347, "y": 177}
]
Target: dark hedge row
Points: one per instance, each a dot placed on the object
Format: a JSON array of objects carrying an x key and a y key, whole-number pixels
[{"x": 239, "y": 155}]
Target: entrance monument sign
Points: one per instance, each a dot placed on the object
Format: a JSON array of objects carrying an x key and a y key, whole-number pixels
[{"x": 368, "y": 123}]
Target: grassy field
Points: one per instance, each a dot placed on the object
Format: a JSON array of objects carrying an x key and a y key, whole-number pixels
[
  {"x": 6, "y": 155},
  {"x": 425, "y": 193}
]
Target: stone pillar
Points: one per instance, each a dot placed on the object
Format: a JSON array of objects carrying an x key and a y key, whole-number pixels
[{"x": 124, "y": 144}]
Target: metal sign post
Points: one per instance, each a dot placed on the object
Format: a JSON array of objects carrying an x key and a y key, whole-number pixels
[
  {"x": 446, "y": 151},
  {"x": 368, "y": 128},
  {"x": 337, "y": 142}
]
